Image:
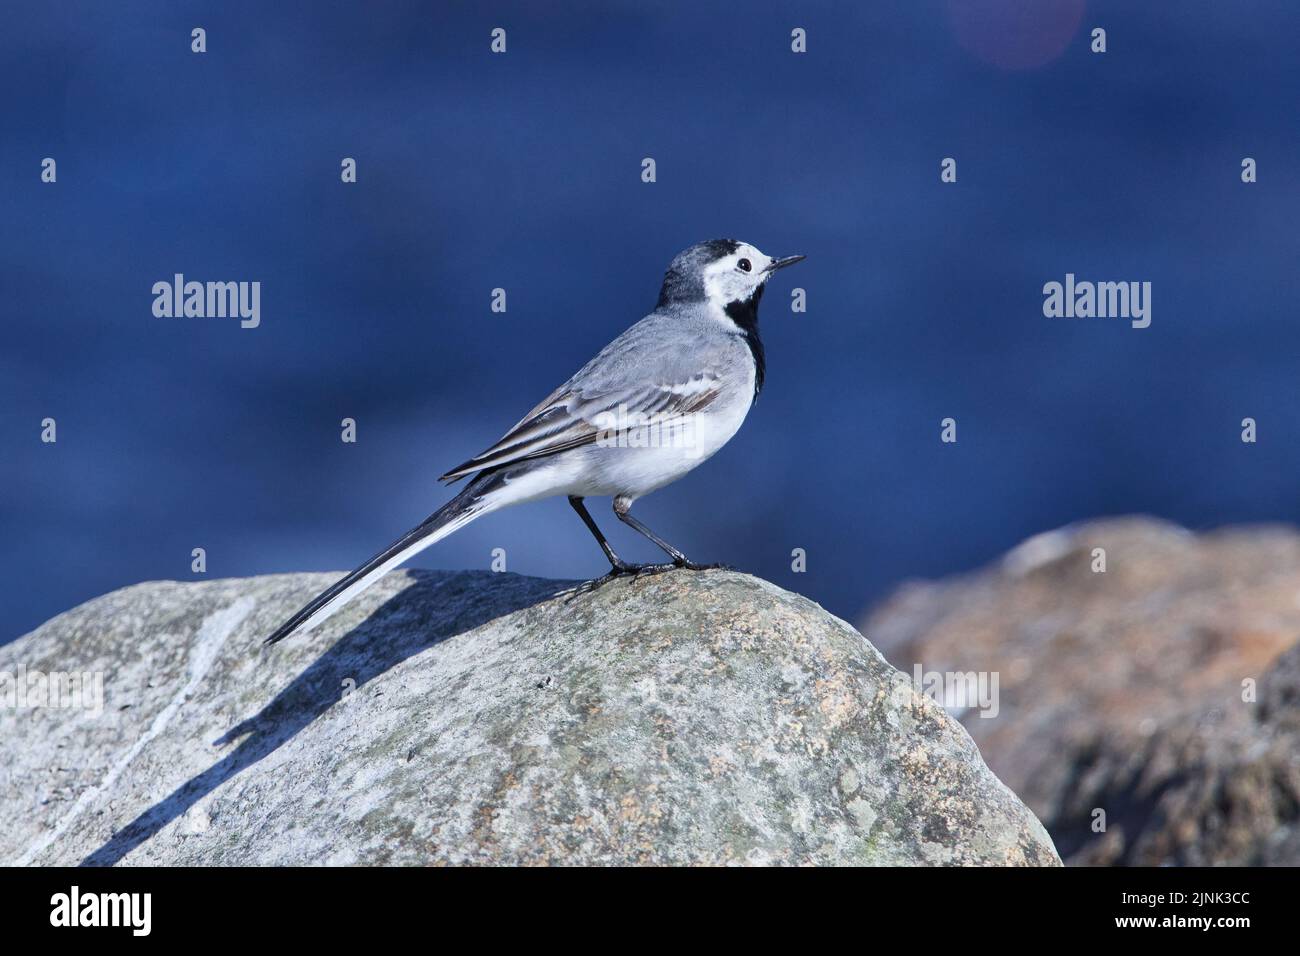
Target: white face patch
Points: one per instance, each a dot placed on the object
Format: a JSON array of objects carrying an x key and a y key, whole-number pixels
[{"x": 727, "y": 280}]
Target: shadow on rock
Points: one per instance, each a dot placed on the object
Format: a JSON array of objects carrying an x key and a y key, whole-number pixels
[{"x": 365, "y": 652}]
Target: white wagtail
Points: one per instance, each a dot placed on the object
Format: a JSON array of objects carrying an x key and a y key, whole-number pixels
[{"x": 653, "y": 404}]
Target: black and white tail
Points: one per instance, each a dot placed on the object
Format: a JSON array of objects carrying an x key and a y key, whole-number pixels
[{"x": 474, "y": 501}]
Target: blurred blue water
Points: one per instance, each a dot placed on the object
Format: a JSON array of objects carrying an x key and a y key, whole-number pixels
[{"x": 522, "y": 171}]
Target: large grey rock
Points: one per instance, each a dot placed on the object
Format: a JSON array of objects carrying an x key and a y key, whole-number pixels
[{"x": 486, "y": 718}]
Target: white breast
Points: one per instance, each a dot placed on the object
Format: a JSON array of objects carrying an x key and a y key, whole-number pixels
[{"x": 662, "y": 452}]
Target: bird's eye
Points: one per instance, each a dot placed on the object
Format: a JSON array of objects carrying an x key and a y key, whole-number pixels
[{"x": 744, "y": 265}]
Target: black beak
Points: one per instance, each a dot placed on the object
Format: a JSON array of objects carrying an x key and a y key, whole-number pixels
[{"x": 784, "y": 261}]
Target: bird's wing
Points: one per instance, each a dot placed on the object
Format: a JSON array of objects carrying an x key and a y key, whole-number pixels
[{"x": 634, "y": 376}]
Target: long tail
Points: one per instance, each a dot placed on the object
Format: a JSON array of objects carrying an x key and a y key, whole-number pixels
[{"x": 474, "y": 501}]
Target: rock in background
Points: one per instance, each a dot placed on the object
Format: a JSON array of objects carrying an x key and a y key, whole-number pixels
[
  {"x": 703, "y": 718},
  {"x": 1123, "y": 691}
]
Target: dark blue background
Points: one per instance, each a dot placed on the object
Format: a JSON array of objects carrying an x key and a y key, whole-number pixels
[{"x": 522, "y": 171}]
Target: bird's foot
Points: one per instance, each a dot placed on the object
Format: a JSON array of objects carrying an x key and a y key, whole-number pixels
[
  {"x": 692, "y": 566},
  {"x": 622, "y": 569}
]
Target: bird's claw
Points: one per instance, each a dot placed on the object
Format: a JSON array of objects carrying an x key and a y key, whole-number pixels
[
  {"x": 692, "y": 566},
  {"x": 636, "y": 570},
  {"x": 626, "y": 570},
  {"x": 621, "y": 570}
]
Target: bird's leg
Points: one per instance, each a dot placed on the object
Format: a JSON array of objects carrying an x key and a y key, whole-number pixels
[
  {"x": 617, "y": 566},
  {"x": 578, "y": 506},
  {"x": 623, "y": 509}
]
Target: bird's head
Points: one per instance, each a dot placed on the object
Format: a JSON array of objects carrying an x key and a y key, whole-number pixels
[{"x": 722, "y": 272}]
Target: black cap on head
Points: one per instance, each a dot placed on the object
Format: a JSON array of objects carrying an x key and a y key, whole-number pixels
[{"x": 684, "y": 280}]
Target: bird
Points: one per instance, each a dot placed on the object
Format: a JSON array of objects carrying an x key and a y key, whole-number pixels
[{"x": 652, "y": 405}]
